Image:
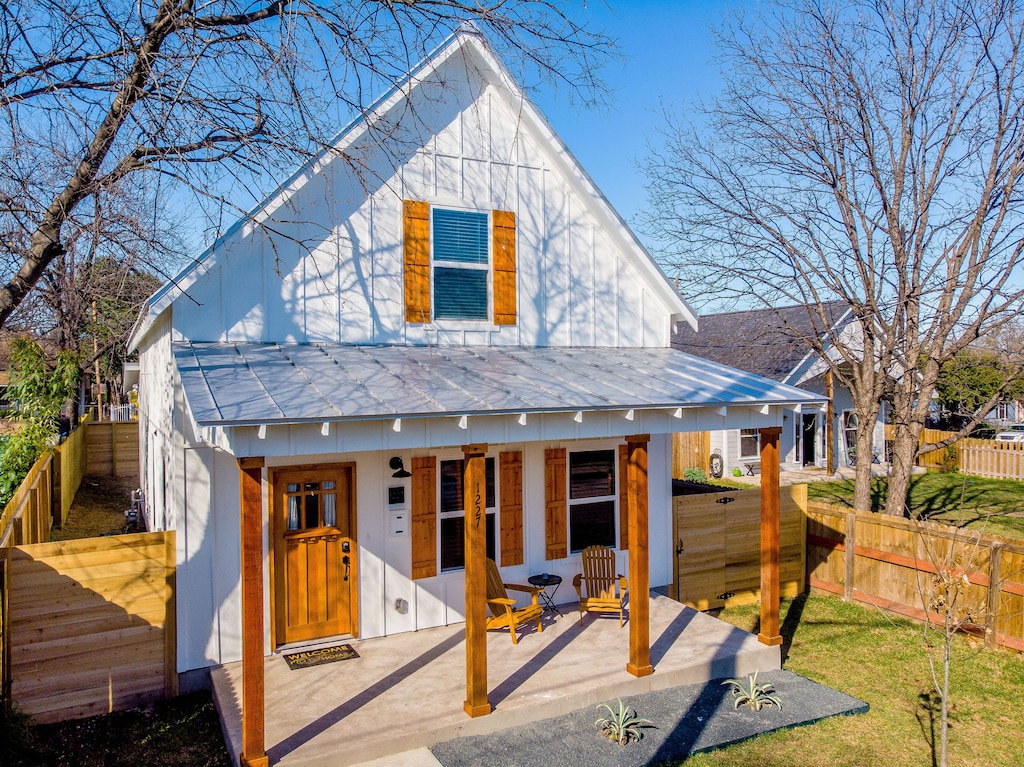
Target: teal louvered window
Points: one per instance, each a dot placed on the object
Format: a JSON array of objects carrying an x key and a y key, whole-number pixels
[{"x": 461, "y": 264}]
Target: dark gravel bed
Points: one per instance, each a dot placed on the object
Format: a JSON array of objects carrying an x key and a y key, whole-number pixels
[{"x": 685, "y": 720}]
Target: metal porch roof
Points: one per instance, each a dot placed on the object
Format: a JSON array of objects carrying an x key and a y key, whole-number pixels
[{"x": 240, "y": 384}]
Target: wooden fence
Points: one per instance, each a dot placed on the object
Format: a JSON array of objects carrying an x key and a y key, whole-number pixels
[
  {"x": 113, "y": 449},
  {"x": 70, "y": 468},
  {"x": 90, "y": 624},
  {"x": 991, "y": 459},
  {"x": 29, "y": 514},
  {"x": 889, "y": 562},
  {"x": 690, "y": 450},
  {"x": 718, "y": 546}
]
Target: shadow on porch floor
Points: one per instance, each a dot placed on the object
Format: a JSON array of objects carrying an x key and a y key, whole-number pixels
[{"x": 406, "y": 691}]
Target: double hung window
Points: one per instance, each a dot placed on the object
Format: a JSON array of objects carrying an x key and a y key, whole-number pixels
[
  {"x": 592, "y": 499},
  {"x": 460, "y": 265},
  {"x": 453, "y": 516},
  {"x": 750, "y": 444}
]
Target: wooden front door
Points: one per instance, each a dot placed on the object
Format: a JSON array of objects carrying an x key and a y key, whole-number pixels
[{"x": 315, "y": 583}]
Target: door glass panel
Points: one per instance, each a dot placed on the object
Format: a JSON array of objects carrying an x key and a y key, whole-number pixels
[
  {"x": 312, "y": 506},
  {"x": 293, "y": 507},
  {"x": 330, "y": 505}
]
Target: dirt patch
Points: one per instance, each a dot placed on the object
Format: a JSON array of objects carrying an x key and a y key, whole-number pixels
[{"x": 98, "y": 508}]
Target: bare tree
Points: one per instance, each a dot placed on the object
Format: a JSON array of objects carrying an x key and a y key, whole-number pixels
[
  {"x": 868, "y": 152},
  {"x": 196, "y": 92}
]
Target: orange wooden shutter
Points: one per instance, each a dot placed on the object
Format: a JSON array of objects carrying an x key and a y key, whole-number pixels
[
  {"x": 416, "y": 228},
  {"x": 556, "y": 546},
  {"x": 623, "y": 487},
  {"x": 511, "y": 511},
  {"x": 424, "y": 517},
  {"x": 503, "y": 224}
]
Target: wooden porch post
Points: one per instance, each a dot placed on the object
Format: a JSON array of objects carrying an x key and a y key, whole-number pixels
[
  {"x": 639, "y": 559},
  {"x": 770, "y": 536},
  {"x": 474, "y": 489},
  {"x": 253, "y": 747},
  {"x": 830, "y": 425}
]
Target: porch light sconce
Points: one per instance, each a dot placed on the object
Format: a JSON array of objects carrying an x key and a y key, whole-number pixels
[
  {"x": 398, "y": 467},
  {"x": 578, "y": 418},
  {"x": 785, "y": 416},
  {"x": 630, "y": 415},
  {"x": 522, "y": 419},
  {"x": 463, "y": 422},
  {"x": 261, "y": 432},
  {"x": 325, "y": 430}
]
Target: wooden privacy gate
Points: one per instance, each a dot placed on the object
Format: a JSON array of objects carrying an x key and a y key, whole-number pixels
[
  {"x": 718, "y": 546},
  {"x": 89, "y": 625}
]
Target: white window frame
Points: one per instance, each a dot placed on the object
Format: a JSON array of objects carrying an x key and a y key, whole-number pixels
[
  {"x": 570, "y": 502},
  {"x": 491, "y": 511},
  {"x": 488, "y": 268},
  {"x": 745, "y": 435}
]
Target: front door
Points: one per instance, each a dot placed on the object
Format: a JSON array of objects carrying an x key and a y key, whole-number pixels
[
  {"x": 809, "y": 424},
  {"x": 314, "y": 552}
]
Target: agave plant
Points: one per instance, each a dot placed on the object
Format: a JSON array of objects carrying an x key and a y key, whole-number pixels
[
  {"x": 748, "y": 692},
  {"x": 620, "y": 726}
]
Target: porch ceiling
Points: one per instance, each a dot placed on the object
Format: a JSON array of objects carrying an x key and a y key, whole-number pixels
[{"x": 239, "y": 384}]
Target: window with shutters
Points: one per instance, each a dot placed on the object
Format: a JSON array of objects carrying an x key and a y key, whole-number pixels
[
  {"x": 460, "y": 265},
  {"x": 453, "y": 516}
]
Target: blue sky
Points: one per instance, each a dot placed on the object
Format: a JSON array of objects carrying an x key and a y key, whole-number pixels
[{"x": 667, "y": 50}]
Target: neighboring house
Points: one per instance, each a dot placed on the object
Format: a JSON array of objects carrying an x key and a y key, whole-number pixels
[
  {"x": 774, "y": 343},
  {"x": 1006, "y": 413},
  {"x": 311, "y": 387}
]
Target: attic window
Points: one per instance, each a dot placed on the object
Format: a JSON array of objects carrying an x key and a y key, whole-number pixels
[{"x": 460, "y": 265}]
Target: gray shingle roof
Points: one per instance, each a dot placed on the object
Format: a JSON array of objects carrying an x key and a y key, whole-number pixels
[
  {"x": 230, "y": 384},
  {"x": 766, "y": 342}
]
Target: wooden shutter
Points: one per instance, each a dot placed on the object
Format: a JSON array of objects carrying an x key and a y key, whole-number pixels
[
  {"x": 623, "y": 489},
  {"x": 416, "y": 229},
  {"x": 555, "y": 523},
  {"x": 511, "y": 507},
  {"x": 503, "y": 232},
  {"x": 424, "y": 517}
]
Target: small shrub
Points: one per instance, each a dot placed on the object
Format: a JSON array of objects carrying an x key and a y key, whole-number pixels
[
  {"x": 736, "y": 472},
  {"x": 621, "y": 726},
  {"x": 749, "y": 693},
  {"x": 695, "y": 475}
]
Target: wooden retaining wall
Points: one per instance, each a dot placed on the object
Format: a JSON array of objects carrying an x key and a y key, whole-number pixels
[
  {"x": 889, "y": 562},
  {"x": 113, "y": 449},
  {"x": 91, "y": 625},
  {"x": 718, "y": 546}
]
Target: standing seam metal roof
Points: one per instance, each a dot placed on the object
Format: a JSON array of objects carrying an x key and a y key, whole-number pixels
[{"x": 237, "y": 384}]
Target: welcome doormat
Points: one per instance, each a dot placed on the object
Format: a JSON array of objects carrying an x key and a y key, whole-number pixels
[{"x": 320, "y": 656}]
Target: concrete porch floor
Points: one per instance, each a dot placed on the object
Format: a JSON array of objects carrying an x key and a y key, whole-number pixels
[{"x": 406, "y": 691}]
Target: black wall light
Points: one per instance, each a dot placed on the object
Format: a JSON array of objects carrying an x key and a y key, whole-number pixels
[{"x": 398, "y": 467}]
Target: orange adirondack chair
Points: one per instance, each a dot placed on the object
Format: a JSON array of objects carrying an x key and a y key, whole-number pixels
[
  {"x": 599, "y": 588},
  {"x": 503, "y": 610}
]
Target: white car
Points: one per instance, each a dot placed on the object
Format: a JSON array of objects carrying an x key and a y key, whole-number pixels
[{"x": 1013, "y": 434}]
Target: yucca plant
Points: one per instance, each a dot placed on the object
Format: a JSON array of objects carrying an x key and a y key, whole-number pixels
[
  {"x": 748, "y": 692},
  {"x": 621, "y": 726}
]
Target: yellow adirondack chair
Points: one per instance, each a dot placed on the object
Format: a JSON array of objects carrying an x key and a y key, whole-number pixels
[
  {"x": 599, "y": 588},
  {"x": 503, "y": 610}
]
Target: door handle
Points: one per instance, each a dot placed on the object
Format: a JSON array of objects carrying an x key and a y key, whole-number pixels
[
  {"x": 348, "y": 567},
  {"x": 679, "y": 548}
]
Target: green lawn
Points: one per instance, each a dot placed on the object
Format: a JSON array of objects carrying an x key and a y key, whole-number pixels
[
  {"x": 995, "y": 506},
  {"x": 859, "y": 651}
]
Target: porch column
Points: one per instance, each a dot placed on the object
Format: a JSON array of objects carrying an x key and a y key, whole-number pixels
[
  {"x": 639, "y": 558},
  {"x": 251, "y": 493},
  {"x": 830, "y": 425},
  {"x": 770, "y": 536},
  {"x": 474, "y": 494}
]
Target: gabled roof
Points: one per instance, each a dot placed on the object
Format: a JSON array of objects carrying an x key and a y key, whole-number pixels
[
  {"x": 468, "y": 41},
  {"x": 773, "y": 343},
  {"x": 248, "y": 384}
]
